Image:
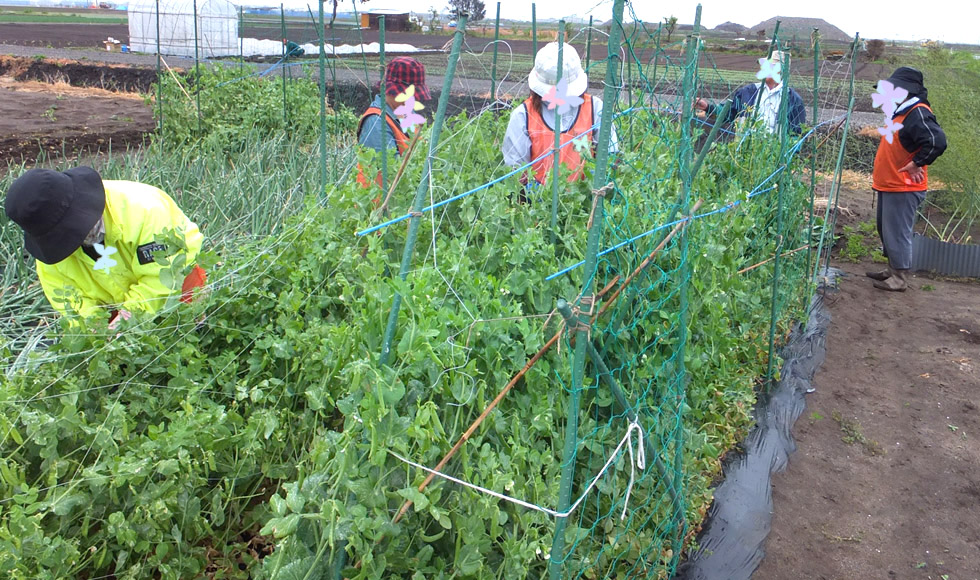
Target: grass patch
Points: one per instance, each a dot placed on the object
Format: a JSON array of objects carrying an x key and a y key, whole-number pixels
[
  {"x": 838, "y": 539},
  {"x": 29, "y": 17},
  {"x": 853, "y": 434},
  {"x": 953, "y": 80},
  {"x": 861, "y": 243}
]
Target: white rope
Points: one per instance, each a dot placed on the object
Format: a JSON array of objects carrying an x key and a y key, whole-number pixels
[{"x": 638, "y": 460}]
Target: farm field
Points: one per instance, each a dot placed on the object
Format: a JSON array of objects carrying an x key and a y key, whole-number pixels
[
  {"x": 58, "y": 118},
  {"x": 883, "y": 482},
  {"x": 62, "y": 107},
  {"x": 255, "y": 435}
]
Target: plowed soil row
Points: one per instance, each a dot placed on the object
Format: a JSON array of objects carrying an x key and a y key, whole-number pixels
[{"x": 62, "y": 108}]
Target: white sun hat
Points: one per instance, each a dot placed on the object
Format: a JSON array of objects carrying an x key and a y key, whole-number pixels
[
  {"x": 544, "y": 75},
  {"x": 780, "y": 58}
]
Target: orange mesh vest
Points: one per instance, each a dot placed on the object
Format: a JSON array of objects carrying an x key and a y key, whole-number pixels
[
  {"x": 543, "y": 140},
  {"x": 401, "y": 141},
  {"x": 890, "y": 158}
]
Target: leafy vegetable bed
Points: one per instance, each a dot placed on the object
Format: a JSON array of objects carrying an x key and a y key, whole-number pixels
[{"x": 258, "y": 419}]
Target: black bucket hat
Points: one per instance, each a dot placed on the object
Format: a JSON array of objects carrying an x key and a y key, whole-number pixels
[
  {"x": 909, "y": 79},
  {"x": 55, "y": 209}
]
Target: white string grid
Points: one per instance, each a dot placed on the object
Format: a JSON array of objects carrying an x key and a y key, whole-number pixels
[{"x": 637, "y": 461}]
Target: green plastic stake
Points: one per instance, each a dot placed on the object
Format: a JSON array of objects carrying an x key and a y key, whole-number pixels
[
  {"x": 777, "y": 262},
  {"x": 630, "y": 56},
  {"x": 493, "y": 67},
  {"x": 534, "y": 29},
  {"x": 588, "y": 45},
  {"x": 360, "y": 32},
  {"x": 689, "y": 85},
  {"x": 197, "y": 73},
  {"x": 610, "y": 97},
  {"x": 323, "y": 113},
  {"x": 241, "y": 39},
  {"x": 159, "y": 76},
  {"x": 772, "y": 43},
  {"x": 384, "y": 106},
  {"x": 419, "y": 203},
  {"x": 656, "y": 58},
  {"x": 675, "y": 209},
  {"x": 282, "y": 21},
  {"x": 556, "y": 166},
  {"x": 719, "y": 121},
  {"x": 336, "y": 124},
  {"x": 605, "y": 374},
  {"x": 813, "y": 148},
  {"x": 758, "y": 96}
]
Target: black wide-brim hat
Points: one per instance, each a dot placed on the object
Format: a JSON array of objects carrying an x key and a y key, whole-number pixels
[
  {"x": 908, "y": 78},
  {"x": 55, "y": 209}
]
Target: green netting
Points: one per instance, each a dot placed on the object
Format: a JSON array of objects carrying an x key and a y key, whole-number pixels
[{"x": 263, "y": 415}]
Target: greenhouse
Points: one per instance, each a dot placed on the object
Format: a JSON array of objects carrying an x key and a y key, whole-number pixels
[{"x": 173, "y": 25}]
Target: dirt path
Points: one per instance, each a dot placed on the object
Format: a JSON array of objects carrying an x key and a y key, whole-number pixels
[{"x": 885, "y": 482}]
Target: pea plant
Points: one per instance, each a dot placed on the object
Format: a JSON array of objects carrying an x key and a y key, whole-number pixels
[{"x": 253, "y": 433}]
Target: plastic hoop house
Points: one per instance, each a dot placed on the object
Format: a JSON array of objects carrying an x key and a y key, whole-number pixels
[{"x": 216, "y": 33}]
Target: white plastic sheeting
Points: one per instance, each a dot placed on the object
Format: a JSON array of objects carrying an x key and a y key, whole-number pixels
[
  {"x": 216, "y": 33},
  {"x": 257, "y": 47}
]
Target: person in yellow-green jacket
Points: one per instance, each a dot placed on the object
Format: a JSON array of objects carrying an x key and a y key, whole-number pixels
[{"x": 94, "y": 241}]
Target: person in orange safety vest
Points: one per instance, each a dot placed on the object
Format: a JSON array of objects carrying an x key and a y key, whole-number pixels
[
  {"x": 401, "y": 73},
  {"x": 531, "y": 130},
  {"x": 900, "y": 176}
]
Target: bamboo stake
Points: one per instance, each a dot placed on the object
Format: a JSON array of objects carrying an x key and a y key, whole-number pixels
[
  {"x": 401, "y": 169},
  {"x": 173, "y": 74},
  {"x": 384, "y": 107},
  {"x": 767, "y": 260}
]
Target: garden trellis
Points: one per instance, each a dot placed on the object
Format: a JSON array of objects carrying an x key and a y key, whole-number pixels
[{"x": 588, "y": 374}]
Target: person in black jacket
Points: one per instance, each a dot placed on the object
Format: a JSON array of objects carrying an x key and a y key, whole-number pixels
[
  {"x": 901, "y": 177},
  {"x": 765, "y": 99}
]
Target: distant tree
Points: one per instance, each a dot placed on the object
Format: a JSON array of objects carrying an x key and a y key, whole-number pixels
[
  {"x": 670, "y": 25},
  {"x": 434, "y": 21},
  {"x": 761, "y": 33},
  {"x": 474, "y": 9},
  {"x": 876, "y": 49}
]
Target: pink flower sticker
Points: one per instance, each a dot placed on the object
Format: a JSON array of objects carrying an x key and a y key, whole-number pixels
[
  {"x": 407, "y": 117},
  {"x": 888, "y": 131},
  {"x": 558, "y": 97},
  {"x": 888, "y": 96}
]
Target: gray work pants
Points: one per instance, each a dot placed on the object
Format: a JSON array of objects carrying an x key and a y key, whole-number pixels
[{"x": 896, "y": 217}]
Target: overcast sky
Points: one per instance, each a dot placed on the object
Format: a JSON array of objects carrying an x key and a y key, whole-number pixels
[{"x": 899, "y": 19}]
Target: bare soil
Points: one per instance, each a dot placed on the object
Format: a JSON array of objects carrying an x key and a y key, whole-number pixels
[
  {"x": 57, "y": 35},
  {"x": 885, "y": 482},
  {"x": 53, "y": 119}
]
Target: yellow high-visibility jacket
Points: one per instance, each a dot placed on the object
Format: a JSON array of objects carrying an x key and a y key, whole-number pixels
[{"x": 134, "y": 214}]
